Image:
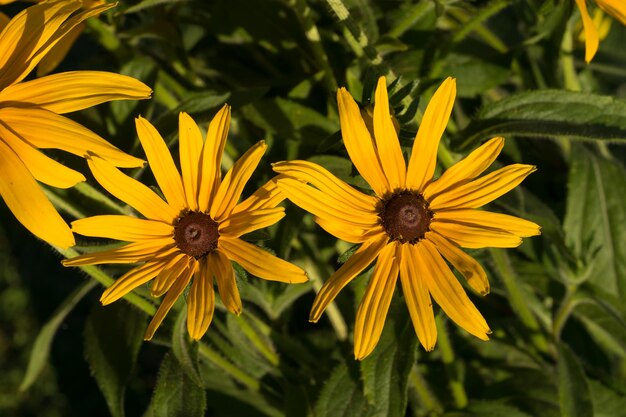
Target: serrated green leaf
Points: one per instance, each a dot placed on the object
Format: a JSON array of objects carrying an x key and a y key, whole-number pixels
[
  {"x": 185, "y": 352},
  {"x": 574, "y": 395},
  {"x": 41, "y": 348},
  {"x": 175, "y": 394},
  {"x": 113, "y": 336},
  {"x": 342, "y": 395},
  {"x": 549, "y": 114}
]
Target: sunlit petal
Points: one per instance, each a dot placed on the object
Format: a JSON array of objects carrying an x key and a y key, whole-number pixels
[
  {"x": 222, "y": 270},
  {"x": 175, "y": 265},
  {"x": 124, "y": 228},
  {"x": 473, "y": 237},
  {"x": 59, "y": 51},
  {"x": 240, "y": 224},
  {"x": 489, "y": 220},
  {"x": 616, "y": 8},
  {"x": 592, "y": 40},
  {"x": 349, "y": 233},
  {"x": 211, "y": 162},
  {"x": 131, "y": 253},
  {"x": 200, "y": 302},
  {"x": 190, "y": 146},
  {"x": 131, "y": 280},
  {"x": 267, "y": 196}
]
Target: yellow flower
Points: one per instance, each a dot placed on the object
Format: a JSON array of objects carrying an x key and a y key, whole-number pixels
[
  {"x": 29, "y": 115},
  {"x": 615, "y": 8},
  {"x": 196, "y": 233},
  {"x": 411, "y": 221}
]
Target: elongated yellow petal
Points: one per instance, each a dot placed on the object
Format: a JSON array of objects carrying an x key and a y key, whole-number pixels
[
  {"x": 325, "y": 206},
  {"x": 27, "y": 201},
  {"x": 167, "y": 303},
  {"x": 175, "y": 265},
  {"x": 236, "y": 178},
  {"x": 131, "y": 280},
  {"x": 372, "y": 312},
  {"x": 467, "y": 169},
  {"x": 416, "y": 296},
  {"x": 327, "y": 183},
  {"x": 267, "y": 196},
  {"x": 348, "y": 233},
  {"x": 59, "y": 51},
  {"x": 359, "y": 144},
  {"x": 465, "y": 264},
  {"x": 122, "y": 228},
  {"x": 353, "y": 266},
  {"x": 490, "y": 221},
  {"x": 592, "y": 40},
  {"x": 449, "y": 293},
  {"x": 387, "y": 141},
  {"x": 75, "y": 90},
  {"x": 4, "y": 19},
  {"x": 200, "y": 302},
  {"x": 44, "y": 169},
  {"x": 47, "y": 130},
  {"x": 616, "y": 8},
  {"x": 424, "y": 155},
  {"x": 211, "y": 174},
  {"x": 473, "y": 237},
  {"x": 161, "y": 164},
  {"x": 221, "y": 268},
  {"x": 131, "y": 191},
  {"x": 131, "y": 253},
  {"x": 240, "y": 224},
  {"x": 260, "y": 262},
  {"x": 190, "y": 149},
  {"x": 483, "y": 190}
]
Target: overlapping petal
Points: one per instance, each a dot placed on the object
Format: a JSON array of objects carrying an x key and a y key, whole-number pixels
[
  {"x": 489, "y": 220},
  {"x": 616, "y": 8},
  {"x": 124, "y": 228},
  {"x": 174, "y": 267},
  {"x": 474, "y": 237},
  {"x": 131, "y": 280},
  {"x": 246, "y": 222},
  {"x": 200, "y": 302},
  {"x": 592, "y": 40},
  {"x": 140, "y": 251},
  {"x": 211, "y": 162},
  {"x": 190, "y": 146},
  {"x": 224, "y": 274},
  {"x": 267, "y": 196}
]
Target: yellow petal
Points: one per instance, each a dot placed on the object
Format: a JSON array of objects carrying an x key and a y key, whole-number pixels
[
  {"x": 465, "y": 264},
  {"x": 260, "y": 262},
  {"x": 359, "y": 144},
  {"x": 473, "y": 237},
  {"x": 131, "y": 280},
  {"x": 347, "y": 233},
  {"x": 44, "y": 169},
  {"x": 161, "y": 164},
  {"x": 28, "y": 203},
  {"x": 75, "y": 90},
  {"x": 449, "y": 293},
  {"x": 467, "y": 169},
  {"x": 616, "y": 8},
  {"x": 131, "y": 191},
  {"x": 131, "y": 253},
  {"x": 47, "y": 130},
  {"x": 120, "y": 227},
  {"x": 416, "y": 296},
  {"x": 240, "y": 224},
  {"x": 211, "y": 163},
  {"x": 591, "y": 34},
  {"x": 200, "y": 302},
  {"x": 54, "y": 57},
  {"x": 387, "y": 141},
  {"x": 372, "y": 312},
  {"x": 353, "y": 266},
  {"x": 490, "y": 221},
  {"x": 424, "y": 155},
  {"x": 236, "y": 178},
  {"x": 4, "y": 19},
  {"x": 479, "y": 192},
  {"x": 167, "y": 303},
  {"x": 221, "y": 268},
  {"x": 267, "y": 196},
  {"x": 190, "y": 149},
  {"x": 175, "y": 265},
  {"x": 325, "y": 206},
  {"x": 327, "y": 183}
]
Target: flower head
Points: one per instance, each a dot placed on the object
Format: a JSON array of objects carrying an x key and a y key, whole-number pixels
[
  {"x": 615, "y": 8},
  {"x": 30, "y": 115},
  {"x": 412, "y": 222},
  {"x": 194, "y": 234}
]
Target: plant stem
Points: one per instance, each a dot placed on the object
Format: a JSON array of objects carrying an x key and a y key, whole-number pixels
[
  {"x": 570, "y": 78},
  {"x": 452, "y": 368},
  {"x": 419, "y": 388}
]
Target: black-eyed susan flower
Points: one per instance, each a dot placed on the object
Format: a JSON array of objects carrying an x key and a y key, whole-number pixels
[
  {"x": 30, "y": 115},
  {"x": 194, "y": 234},
  {"x": 412, "y": 222},
  {"x": 615, "y": 8}
]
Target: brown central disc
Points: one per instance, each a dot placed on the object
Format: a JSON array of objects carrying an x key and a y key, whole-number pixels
[
  {"x": 406, "y": 217},
  {"x": 196, "y": 234}
]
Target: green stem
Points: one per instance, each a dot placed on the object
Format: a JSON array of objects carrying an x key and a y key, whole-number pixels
[
  {"x": 418, "y": 387},
  {"x": 475, "y": 24},
  {"x": 564, "y": 311},
  {"x": 570, "y": 77},
  {"x": 257, "y": 341},
  {"x": 452, "y": 368}
]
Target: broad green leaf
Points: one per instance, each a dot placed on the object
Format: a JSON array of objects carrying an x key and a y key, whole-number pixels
[
  {"x": 342, "y": 395},
  {"x": 175, "y": 394},
  {"x": 574, "y": 395},
  {"x": 549, "y": 114},
  {"x": 185, "y": 351},
  {"x": 595, "y": 219},
  {"x": 41, "y": 348},
  {"x": 604, "y": 324},
  {"x": 606, "y": 402},
  {"x": 113, "y": 336},
  {"x": 475, "y": 75}
]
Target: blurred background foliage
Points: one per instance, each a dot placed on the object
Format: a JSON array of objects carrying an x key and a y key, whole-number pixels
[{"x": 557, "y": 304}]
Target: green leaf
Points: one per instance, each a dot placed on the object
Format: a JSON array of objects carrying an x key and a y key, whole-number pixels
[
  {"x": 574, "y": 395},
  {"x": 41, "y": 348},
  {"x": 185, "y": 352},
  {"x": 113, "y": 336},
  {"x": 489, "y": 409},
  {"x": 606, "y": 402},
  {"x": 475, "y": 75},
  {"x": 175, "y": 394},
  {"x": 595, "y": 220},
  {"x": 604, "y": 324},
  {"x": 549, "y": 114},
  {"x": 342, "y": 396}
]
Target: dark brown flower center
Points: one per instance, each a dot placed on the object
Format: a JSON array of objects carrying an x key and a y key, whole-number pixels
[
  {"x": 405, "y": 216},
  {"x": 196, "y": 234}
]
